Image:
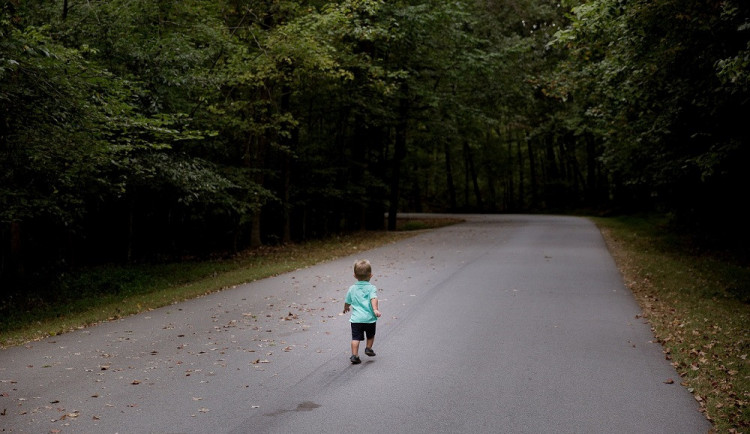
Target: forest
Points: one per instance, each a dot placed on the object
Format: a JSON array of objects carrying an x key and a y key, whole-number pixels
[{"x": 137, "y": 131}]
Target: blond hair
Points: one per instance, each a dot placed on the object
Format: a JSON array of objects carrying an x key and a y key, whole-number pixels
[{"x": 362, "y": 269}]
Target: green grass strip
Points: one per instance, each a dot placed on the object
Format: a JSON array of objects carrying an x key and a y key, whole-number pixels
[
  {"x": 696, "y": 301},
  {"x": 110, "y": 292}
]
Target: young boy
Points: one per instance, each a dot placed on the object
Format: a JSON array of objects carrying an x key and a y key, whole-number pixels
[{"x": 362, "y": 297}]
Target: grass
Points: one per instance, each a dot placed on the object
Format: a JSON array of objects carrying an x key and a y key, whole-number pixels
[
  {"x": 698, "y": 305},
  {"x": 110, "y": 292},
  {"x": 697, "y": 302}
]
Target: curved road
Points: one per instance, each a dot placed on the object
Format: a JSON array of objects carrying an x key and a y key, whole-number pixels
[{"x": 502, "y": 324}]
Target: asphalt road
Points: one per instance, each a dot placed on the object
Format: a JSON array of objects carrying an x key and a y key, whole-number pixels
[{"x": 502, "y": 324}]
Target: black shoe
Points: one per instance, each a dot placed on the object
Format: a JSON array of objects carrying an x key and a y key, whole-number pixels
[
  {"x": 355, "y": 360},
  {"x": 369, "y": 352}
]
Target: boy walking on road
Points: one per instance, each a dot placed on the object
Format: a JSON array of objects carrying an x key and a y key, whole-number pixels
[{"x": 362, "y": 298}]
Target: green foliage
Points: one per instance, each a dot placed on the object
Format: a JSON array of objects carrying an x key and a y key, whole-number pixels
[
  {"x": 44, "y": 145},
  {"x": 663, "y": 84},
  {"x": 180, "y": 128},
  {"x": 90, "y": 132}
]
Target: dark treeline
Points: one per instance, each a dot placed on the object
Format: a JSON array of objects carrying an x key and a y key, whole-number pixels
[{"x": 147, "y": 130}]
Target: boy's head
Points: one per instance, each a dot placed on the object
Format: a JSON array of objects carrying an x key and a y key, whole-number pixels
[{"x": 362, "y": 270}]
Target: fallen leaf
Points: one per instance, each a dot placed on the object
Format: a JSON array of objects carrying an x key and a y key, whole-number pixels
[
  {"x": 669, "y": 381},
  {"x": 135, "y": 382}
]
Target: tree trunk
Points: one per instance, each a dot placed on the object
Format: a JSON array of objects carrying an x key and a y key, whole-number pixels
[
  {"x": 399, "y": 154},
  {"x": 16, "y": 250},
  {"x": 473, "y": 174},
  {"x": 551, "y": 162},
  {"x": 489, "y": 171},
  {"x": 592, "y": 182},
  {"x": 466, "y": 177},
  {"x": 521, "y": 170},
  {"x": 255, "y": 239},
  {"x": 511, "y": 189},
  {"x": 285, "y": 197},
  {"x": 396, "y": 175},
  {"x": 449, "y": 177},
  {"x": 287, "y": 168},
  {"x": 575, "y": 175},
  {"x": 532, "y": 173},
  {"x": 131, "y": 232},
  {"x": 253, "y": 158}
]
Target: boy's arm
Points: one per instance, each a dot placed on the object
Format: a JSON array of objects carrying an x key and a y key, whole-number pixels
[
  {"x": 374, "y": 302},
  {"x": 346, "y": 307}
]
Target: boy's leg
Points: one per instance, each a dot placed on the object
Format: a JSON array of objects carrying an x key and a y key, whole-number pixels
[
  {"x": 370, "y": 340},
  {"x": 355, "y": 349},
  {"x": 358, "y": 334}
]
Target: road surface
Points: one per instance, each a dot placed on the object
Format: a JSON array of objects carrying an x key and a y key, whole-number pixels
[{"x": 501, "y": 324}]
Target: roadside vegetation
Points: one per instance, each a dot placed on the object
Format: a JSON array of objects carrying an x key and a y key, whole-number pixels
[
  {"x": 697, "y": 301},
  {"x": 134, "y": 130},
  {"x": 96, "y": 294}
]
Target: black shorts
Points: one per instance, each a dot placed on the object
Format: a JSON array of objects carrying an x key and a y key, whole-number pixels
[{"x": 360, "y": 328}]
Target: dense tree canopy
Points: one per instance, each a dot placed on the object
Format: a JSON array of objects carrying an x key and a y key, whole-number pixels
[
  {"x": 663, "y": 86},
  {"x": 151, "y": 129}
]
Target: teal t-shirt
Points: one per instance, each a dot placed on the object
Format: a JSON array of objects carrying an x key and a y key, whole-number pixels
[{"x": 359, "y": 296}]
